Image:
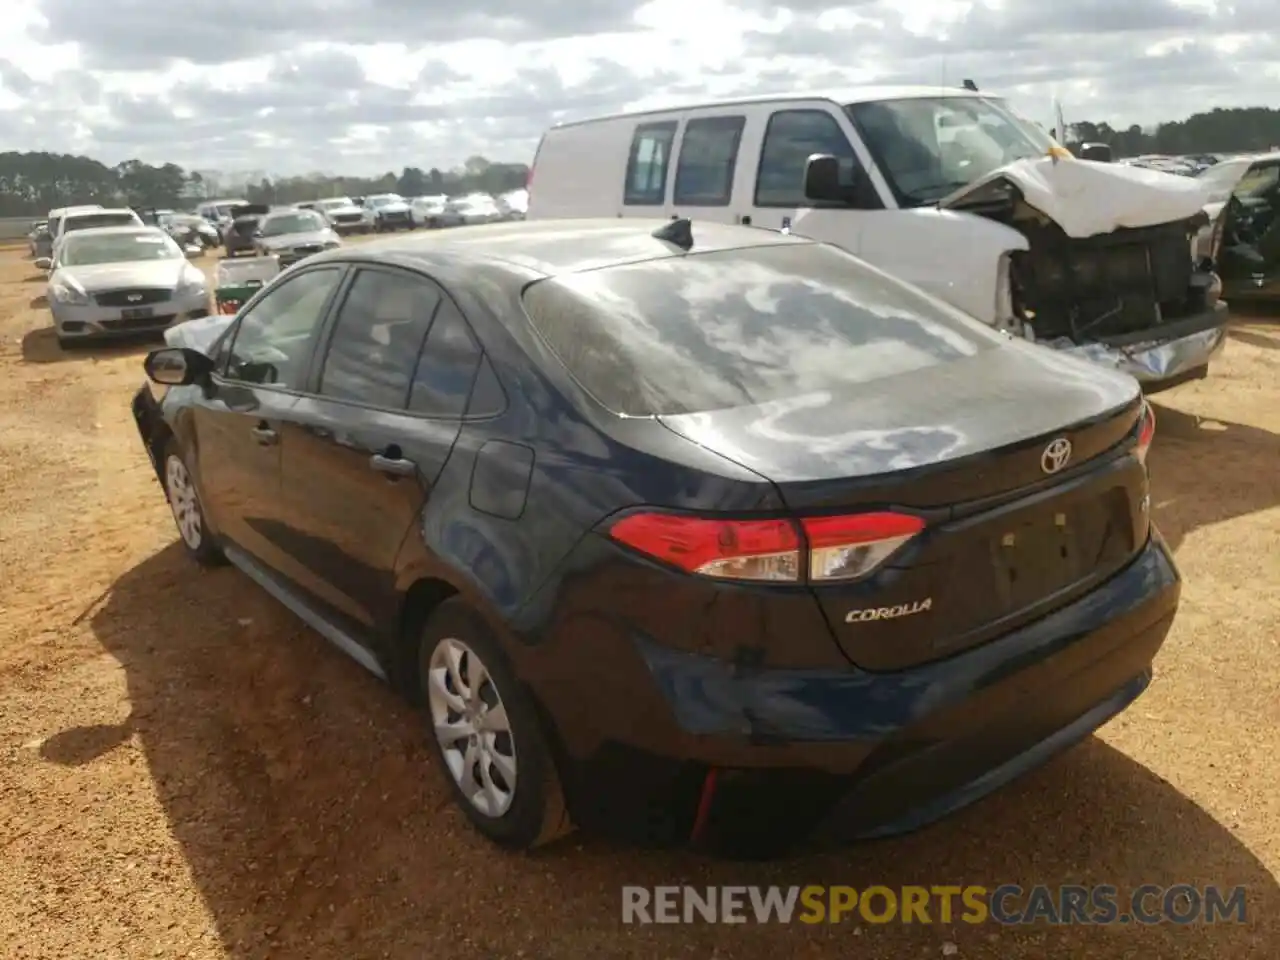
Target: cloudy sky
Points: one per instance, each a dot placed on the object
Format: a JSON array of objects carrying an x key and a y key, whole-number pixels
[{"x": 368, "y": 85}]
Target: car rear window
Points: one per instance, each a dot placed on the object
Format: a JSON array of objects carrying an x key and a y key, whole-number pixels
[
  {"x": 94, "y": 220},
  {"x": 742, "y": 327}
]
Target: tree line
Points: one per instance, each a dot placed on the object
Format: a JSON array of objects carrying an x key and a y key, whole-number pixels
[
  {"x": 1221, "y": 130},
  {"x": 31, "y": 184}
]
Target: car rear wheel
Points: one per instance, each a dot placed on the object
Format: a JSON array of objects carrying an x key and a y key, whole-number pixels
[
  {"x": 188, "y": 514},
  {"x": 487, "y": 732}
]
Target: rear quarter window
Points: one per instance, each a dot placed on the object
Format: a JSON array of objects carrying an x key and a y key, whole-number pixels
[{"x": 742, "y": 327}]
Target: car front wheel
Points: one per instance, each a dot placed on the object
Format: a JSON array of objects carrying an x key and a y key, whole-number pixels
[
  {"x": 188, "y": 514},
  {"x": 487, "y": 732}
]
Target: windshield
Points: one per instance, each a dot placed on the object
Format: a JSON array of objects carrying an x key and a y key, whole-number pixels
[
  {"x": 303, "y": 221},
  {"x": 929, "y": 147},
  {"x": 383, "y": 201},
  {"x": 224, "y": 209},
  {"x": 1258, "y": 181},
  {"x": 87, "y": 250},
  {"x": 95, "y": 220}
]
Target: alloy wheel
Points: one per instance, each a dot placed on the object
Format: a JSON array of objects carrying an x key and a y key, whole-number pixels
[
  {"x": 472, "y": 727},
  {"x": 184, "y": 502}
]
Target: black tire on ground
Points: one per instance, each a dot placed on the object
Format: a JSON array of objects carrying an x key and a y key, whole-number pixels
[
  {"x": 205, "y": 550},
  {"x": 537, "y": 814}
]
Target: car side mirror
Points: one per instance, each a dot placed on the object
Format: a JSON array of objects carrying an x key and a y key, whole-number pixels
[
  {"x": 823, "y": 181},
  {"x": 177, "y": 366},
  {"x": 44, "y": 263}
]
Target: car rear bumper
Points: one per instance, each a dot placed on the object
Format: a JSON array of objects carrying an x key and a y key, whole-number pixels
[{"x": 871, "y": 753}]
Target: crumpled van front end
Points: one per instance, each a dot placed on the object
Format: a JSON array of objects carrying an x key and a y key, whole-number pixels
[{"x": 1106, "y": 267}]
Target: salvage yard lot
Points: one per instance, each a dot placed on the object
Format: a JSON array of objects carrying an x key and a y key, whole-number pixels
[{"x": 189, "y": 771}]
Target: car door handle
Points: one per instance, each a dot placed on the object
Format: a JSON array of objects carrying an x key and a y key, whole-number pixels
[
  {"x": 265, "y": 435},
  {"x": 393, "y": 466}
]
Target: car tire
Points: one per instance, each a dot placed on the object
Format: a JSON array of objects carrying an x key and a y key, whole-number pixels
[
  {"x": 187, "y": 510},
  {"x": 487, "y": 732}
]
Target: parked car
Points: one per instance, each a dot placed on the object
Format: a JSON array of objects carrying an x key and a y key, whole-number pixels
[
  {"x": 677, "y": 522},
  {"x": 239, "y": 233},
  {"x": 1243, "y": 233},
  {"x": 388, "y": 211},
  {"x": 121, "y": 280},
  {"x": 193, "y": 228},
  {"x": 56, "y": 215},
  {"x": 39, "y": 240},
  {"x": 93, "y": 219},
  {"x": 951, "y": 190},
  {"x": 343, "y": 215},
  {"x": 477, "y": 208},
  {"x": 218, "y": 212},
  {"x": 514, "y": 205},
  {"x": 294, "y": 235},
  {"x": 434, "y": 212}
]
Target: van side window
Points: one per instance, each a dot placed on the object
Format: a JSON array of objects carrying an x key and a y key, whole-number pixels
[
  {"x": 647, "y": 165},
  {"x": 708, "y": 155},
  {"x": 791, "y": 137}
]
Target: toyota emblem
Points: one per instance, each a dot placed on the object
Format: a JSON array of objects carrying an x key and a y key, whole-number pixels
[{"x": 1055, "y": 455}]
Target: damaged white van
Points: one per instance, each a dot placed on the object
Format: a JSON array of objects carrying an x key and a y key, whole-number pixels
[{"x": 948, "y": 189}]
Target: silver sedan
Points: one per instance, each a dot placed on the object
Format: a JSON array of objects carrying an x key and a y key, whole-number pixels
[{"x": 116, "y": 281}]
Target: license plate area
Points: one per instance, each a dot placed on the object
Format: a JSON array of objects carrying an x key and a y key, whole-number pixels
[
  {"x": 137, "y": 313},
  {"x": 1038, "y": 557}
]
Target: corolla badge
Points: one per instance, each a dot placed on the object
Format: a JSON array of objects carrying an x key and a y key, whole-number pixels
[
  {"x": 889, "y": 613},
  {"x": 1055, "y": 455}
]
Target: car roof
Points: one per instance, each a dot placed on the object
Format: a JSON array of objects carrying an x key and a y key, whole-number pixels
[
  {"x": 840, "y": 95},
  {"x": 100, "y": 211},
  {"x": 554, "y": 247}
]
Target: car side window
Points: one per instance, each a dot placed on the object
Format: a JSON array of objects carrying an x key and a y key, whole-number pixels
[
  {"x": 376, "y": 338},
  {"x": 273, "y": 338},
  {"x": 447, "y": 366},
  {"x": 648, "y": 162},
  {"x": 708, "y": 156},
  {"x": 791, "y": 137}
]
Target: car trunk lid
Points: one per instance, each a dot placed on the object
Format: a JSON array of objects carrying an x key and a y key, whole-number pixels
[{"x": 1010, "y": 530}]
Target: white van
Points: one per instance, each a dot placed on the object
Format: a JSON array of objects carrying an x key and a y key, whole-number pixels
[{"x": 949, "y": 189}]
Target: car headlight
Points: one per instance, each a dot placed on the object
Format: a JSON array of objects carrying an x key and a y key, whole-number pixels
[
  {"x": 68, "y": 294},
  {"x": 192, "y": 284}
]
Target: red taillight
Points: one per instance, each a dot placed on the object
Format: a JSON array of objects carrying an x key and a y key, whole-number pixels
[
  {"x": 824, "y": 548},
  {"x": 1146, "y": 433},
  {"x": 738, "y": 549}
]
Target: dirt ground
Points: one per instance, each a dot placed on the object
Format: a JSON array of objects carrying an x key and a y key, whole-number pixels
[{"x": 188, "y": 771}]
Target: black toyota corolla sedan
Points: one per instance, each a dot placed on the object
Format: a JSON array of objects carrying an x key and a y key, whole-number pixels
[{"x": 695, "y": 532}]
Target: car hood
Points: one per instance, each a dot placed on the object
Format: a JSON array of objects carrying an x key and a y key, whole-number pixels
[
  {"x": 343, "y": 211},
  {"x": 197, "y": 334},
  {"x": 1086, "y": 198},
  {"x": 391, "y": 207},
  {"x": 112, "y": 276},
  {"x": 289, "y": 240}
]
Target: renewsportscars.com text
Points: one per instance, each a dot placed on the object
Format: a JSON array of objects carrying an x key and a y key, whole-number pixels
[{"x": 973, "y": 904}]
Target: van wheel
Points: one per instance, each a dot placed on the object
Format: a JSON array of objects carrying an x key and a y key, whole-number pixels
[{"x": 487, "y": 732}]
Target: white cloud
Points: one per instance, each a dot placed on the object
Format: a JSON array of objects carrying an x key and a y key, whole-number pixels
[{"x": 370, "y": 85}]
